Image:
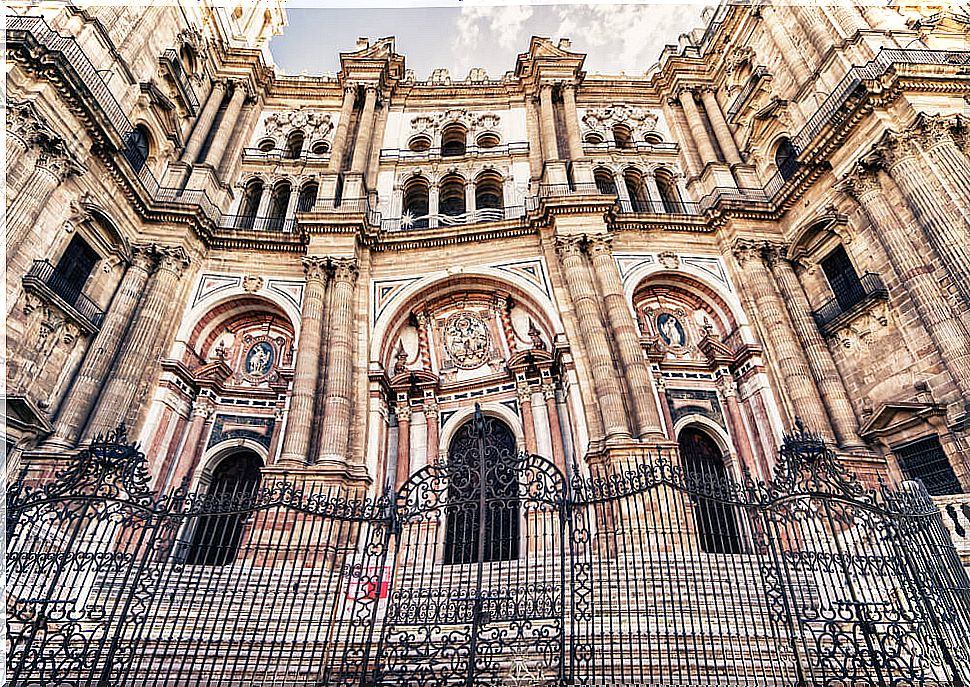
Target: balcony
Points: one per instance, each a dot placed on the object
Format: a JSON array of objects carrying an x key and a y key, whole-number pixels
[
  {"x": 170, "y": 60},
  {"x": 956, "y": 518},
  {"x": 279, "y": 155},
  {"x": 473, "y": 151},
  {"x": 47, "y": 283},
  {"x": 844, "y": 307},
  {"x": 678, "y": 207},
  {"x": 631, "y": 147},
  {"x": 278, "y": 225},
  {"x": 408, "y": 222}
]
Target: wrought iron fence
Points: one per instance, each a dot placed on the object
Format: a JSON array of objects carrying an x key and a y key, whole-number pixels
[
  {"x": 69, "y": 290},
  {"x": 488, "y": 568}
]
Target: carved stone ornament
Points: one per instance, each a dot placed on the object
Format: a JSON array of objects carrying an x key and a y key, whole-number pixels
[
  {"x": 669, "y": 260},
  {"x": 252, "y": 283},
  {"x": 485, "y": 121},
  {"x": 313, "y": 124},
  {"x": 467, "y": 339},
  {"x": 639, "y": 120}
]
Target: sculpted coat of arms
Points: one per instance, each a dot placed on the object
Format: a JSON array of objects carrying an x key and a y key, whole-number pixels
[{"x": 466, "y": 338}]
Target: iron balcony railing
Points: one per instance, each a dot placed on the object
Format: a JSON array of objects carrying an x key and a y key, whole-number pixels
[
  {"x": 280, "y": 154},
  {"x": 678, "y": 207},
  {"x": 632, "y": 147},
  {"x": 869, "y": 288},
  {"x": 479, "y": 216},
  {"x": 259, "y": 224},
  {"x": 170, "y": 58},
  {"x": 44, "y": 274},
  {"x": 518, "y": 148}
]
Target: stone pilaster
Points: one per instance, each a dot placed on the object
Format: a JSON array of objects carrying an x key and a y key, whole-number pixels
[
  {"x": 90, "y": 377},
  {"x": 204, "y": 122},
  {"x": 624, "y": 333},
  {"x": 194, "y": 445},
  {"x": 134, "y": 356},
  {"x": 915, "y": 275},
  {"x": 227, "y": 126},
  {"x": 725, "y": 138},
  {"x": 230, "y": 161},
  {"x": 296, "y": 443},
  {"x": 572, "y": 121},
  {"x": 692, "y": 162},
  {"x": 363, "y": 141},
  {"x": 550, "y": 144},
  {"x": 54, "y": 165},
  {"x": 820, "y": 362},
  {"x": 936, "y": 136},
  {"x": 338, "y": 398},
  {"x": 796, "y": 376},
  {"x": 343, "y": 129},
  {"x": 606, "y": 384},
  {"x": 698, "y": 131}
]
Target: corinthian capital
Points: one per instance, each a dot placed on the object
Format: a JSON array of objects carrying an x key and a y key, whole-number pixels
[
  {"x": 144, "y": 257},
  {"x": 172, "y": 259},
  {"x": 57, "y": 159},
  {"x": 315, "y": 268},
  {"x": 569, "y": 246},
  {"x": 746, "y": 249},
  {"x": 345, "y": 269},
  {"x": 860, "y": 182},
  {"x": 934, "y": 130},
  {"x": 599, "y": 244}
]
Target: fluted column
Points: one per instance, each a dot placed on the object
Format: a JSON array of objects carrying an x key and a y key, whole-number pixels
[
  {"x": 849, "y": 17},
  {"x": 134, "y": 356},
  {"x": 721, "y": 131},
  {"x": 942, "y": 223},
  {"x": 187, "y": 458},
  {"x": 698, "y": 131},
  {"x": 793, "y": 59},
  {"x": 606, "y": 384},
  {"x": 431, "y": 420},
  {"x": 789, "y": 358},
  {"x": 365, "y": 130},
  {"x": 915, "y": 275},
  {"x": 813, "y": 21},
  {"x": 296, "y": 442},
  {"x": 343, "y": 126},
  {"x": 692, "y": 162},
  {"x": 227, "y": 126},
  {"x": 555, "y": 426},
  {"x": 403, "y": 470},
  {"x": 935, "y": 133},
  {"x": 624, "y": 333},
  {"x": 83, "y": 391},
  {"x": 528, "y": 420},
  {"x": 337, "y": 403},
  {"x": 204, "y": 122},
  {"x": 826, "y": 375},
  {"x": 550, "y": 144},
  {"x": 572, "y": 121},
  {"x": 53, "y": 165}
]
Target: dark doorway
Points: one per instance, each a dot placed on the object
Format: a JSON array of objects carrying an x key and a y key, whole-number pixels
[
  {"x": 483, "y": 494},
  {"x": 216, "y": 538},
  {"x": 73, "y": 269},
  {"x": 716, "y": 520},
  {"x": 842, "y": 277}
]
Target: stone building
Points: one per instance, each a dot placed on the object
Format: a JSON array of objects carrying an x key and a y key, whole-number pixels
[{"x": 322, "y": 275}]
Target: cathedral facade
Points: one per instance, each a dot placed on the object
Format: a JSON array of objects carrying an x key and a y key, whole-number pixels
[{"x": 262, "y": 274}]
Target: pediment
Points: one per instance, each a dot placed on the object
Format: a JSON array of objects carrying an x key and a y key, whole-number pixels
[
  {"x": 898, "y": 416},
  {"x": 542, "y": 50}
]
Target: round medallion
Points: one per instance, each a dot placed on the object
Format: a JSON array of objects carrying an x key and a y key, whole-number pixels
[
  {"x": 259, "y": 359},
  {"x": 671, "y": 330},
  {"x": 466, "y": 338}
]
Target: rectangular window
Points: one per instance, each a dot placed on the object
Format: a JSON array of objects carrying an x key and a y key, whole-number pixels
[
  {"x": 73, "y": 269},
  {"x": 925, "y": 460},
  {"x": 842, "y": 278}
]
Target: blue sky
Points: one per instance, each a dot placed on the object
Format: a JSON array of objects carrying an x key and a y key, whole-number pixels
[{"x": 617, "y": 37}]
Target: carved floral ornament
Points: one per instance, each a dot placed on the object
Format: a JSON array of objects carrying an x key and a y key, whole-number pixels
[
  {"x": 467, "y": 339},
  {"x": 486, "y": 121},
  {"x": 639, "y": 120},
  {"x": 313, "y": 124}
]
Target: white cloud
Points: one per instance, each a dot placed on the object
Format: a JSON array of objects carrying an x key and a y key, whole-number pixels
[{"x": 480, "y": 29}]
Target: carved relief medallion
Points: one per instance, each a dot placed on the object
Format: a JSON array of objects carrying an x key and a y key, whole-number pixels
[{"x": 467, "y": 340}]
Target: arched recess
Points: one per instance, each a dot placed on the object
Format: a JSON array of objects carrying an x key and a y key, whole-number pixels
[
  {"x": 716, "y": 522},
  {"x": 496, "y": 410}
]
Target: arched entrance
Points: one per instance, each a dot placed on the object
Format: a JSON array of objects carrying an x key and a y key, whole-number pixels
[
  {"x": 483, "y": 495},
  {"x": 715, "y": 519},
  {"x": 215, "y": 538}
]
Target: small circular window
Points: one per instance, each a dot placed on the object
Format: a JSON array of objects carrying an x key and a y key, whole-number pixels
[
  {"x": 266, "y": 145},
  {"x": 488, "y": 140},
  {"x": 419, "y": 144},
  {"x": 320, "y": 148}
]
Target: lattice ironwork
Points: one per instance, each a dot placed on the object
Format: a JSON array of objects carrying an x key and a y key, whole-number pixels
[{"x": 489, "y": 568}]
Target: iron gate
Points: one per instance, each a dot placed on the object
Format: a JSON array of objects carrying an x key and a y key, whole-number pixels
[{"x": 486, "y": 569}]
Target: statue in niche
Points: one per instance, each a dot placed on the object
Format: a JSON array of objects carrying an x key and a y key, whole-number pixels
[
  {"x": 259, "y": 359},
  {"x": 671, "y": 330}
]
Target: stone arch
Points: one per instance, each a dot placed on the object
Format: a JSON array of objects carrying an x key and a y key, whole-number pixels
[
  {"x": 709, "y": 427},
  {"x": 492, "y": 409},
  {"x": 218, "y": 453}
]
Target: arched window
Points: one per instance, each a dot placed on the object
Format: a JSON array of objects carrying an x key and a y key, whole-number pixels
[
  {"x": 294, "y": 145},
  {"x": 277, "y": 206},
  {"x": 419, "y": 143},
  {"x": 266, "y": 145},
  {"x": 416, "y": 203},
  {"x": 786, "y": 159},
  {"x": 622, "y": 136},
  {"x": 669, "y": 194},
  {"x": 478, "y": 480},
  {"x": 308, "y": 196},
  {"x": 216, "y": 538},
  {"x": 250, "y": 204},
  {"x": 605, "y": 183},
  {"x": 139, "y": 147},
  {"x": 716, "y": 522},
  {"x": 451, "y": 196},
  {"x": 453, "y": 139},
  {"x": 637, "y": 191},
  {"x": 593, "y": 139},
  {"x": 488, "y": 191},
  {"x": 488, "y": 139}
]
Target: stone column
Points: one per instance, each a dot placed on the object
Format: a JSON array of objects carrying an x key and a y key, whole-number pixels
[
  {"x": 53, "y": 166},
  {"x": 403, "y": 444},
  {"x": 204, "y": 123},
  {"x": 83, "y": 391},
  {"x": 915, "y": 275},
  {"x": 135, "y": 352},
  {"x": 343, "y": 126},
  {"x": 555, "y": 426},
  {"x": 812, "y": 20},
  {"x": 550, "y": 144},
  {"x": 721, "y": 131},
  {"x": 622, "y": 193},
  {"x": 227, "y": 126},
  {"x": 433, "y": 196},
  {"x": 338, "y": 400},
  {"x": 240, "y": 136},
  {"x": 533, "y": 128},
  {"x": 698, "y": 131},
  {"x": 623, "y": 331},
  {"x": 849, "y": 17},
  {"x": 606, "y": 384},
  {"x": 524, "y": 392},
  {"x": 431, "y": 419},
  {"x": 901, "y": 155},
  {"x": 187, "y": 458},
  {"x": 296, "y": 442},
  {"x": 797, "y": 66},
  {"x": 572, "y": 121},
  {"x": 820, "y": 362},
  {"x": 692, "y": 162},
  {"x": 936, "y": 136},
  {"x": 470, "y": 197},
  {"x": 363, "y": 141},
  {"x": 788, "y": 356}
]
